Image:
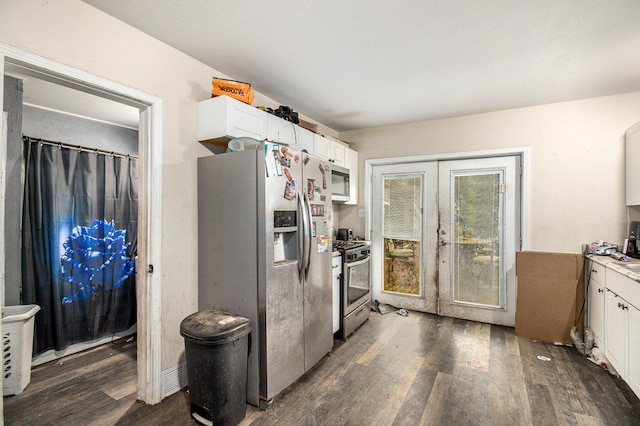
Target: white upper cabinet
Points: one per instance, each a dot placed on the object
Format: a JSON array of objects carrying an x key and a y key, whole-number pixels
[
  {"x": 279, "y": 130},
  {"x": 337, "y": 153},
  {"x": 632, "y": 160},
  {"x": 329, "y": 149},
  {"x": 223, "y": 118},
  {"x": 321, "y": 146},
  {"x": 351, "y": 163},
  {"x": 304, "y": 139}
]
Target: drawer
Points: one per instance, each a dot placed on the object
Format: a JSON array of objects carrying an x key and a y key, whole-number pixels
[
  {"x": 596, "y": 272},
  {"x": 624, "y": 287}
]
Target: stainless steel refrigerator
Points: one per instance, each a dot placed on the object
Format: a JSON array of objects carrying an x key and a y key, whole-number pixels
[{"x": 264, "y": 252}]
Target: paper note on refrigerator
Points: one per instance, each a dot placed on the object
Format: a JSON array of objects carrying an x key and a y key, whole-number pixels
[{"x": 270, "y": 160}]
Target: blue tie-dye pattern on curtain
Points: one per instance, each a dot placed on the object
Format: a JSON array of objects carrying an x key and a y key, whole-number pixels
[{"x": 79, "y": 241}]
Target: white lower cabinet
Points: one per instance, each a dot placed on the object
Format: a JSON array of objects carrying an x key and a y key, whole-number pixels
[
  {"x": 595, "y": 301},
  {"x": 615, "y": 320},
  {"x": 336, "y": 272},
  {"x": 596, "y": 311},
  {"x": 616, "y": 330},
  {"x": 633, "y": 373}
]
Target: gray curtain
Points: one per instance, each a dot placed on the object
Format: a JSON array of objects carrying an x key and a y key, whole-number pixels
[{"x": 79, "y": 242}]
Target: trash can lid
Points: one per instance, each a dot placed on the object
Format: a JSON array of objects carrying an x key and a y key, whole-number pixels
[{"x": 214, "y": 326}]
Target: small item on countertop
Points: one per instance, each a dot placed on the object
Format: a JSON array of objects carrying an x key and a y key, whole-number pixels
[
  {"x": 619, "y": 256},
  {"x": 601, "y": 248}
]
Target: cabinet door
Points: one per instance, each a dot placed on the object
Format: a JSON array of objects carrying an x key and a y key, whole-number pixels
[
  {"x": 595, "y": 311},
  {"x": 222, "y": 118},
  {"x": 616, "y": 326},
  {"x": 632, "y": 159},
  {"x": 279, "y": 130},
  {"x": 336, "y": 272},
  {"x": 321, "y": 147},
  {"x": 633, "y": 353},
  {"x": 304, "y": 140},
  {"x": 337, "y": 153},
  {"x": 633, "y": 373},
  {"x": 351, "y": 163}
]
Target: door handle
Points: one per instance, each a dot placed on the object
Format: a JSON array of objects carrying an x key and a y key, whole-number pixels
[
  {"x": 442, "y": 243},
  {"x": 308, "y": 233},
  {"x": 302, "y": 239}
]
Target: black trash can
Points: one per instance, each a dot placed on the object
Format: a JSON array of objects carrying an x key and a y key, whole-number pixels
[{"x": 216, "y": 350}]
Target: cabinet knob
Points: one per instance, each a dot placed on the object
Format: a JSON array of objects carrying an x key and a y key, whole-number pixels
[
  {"x": 594, "y": 271},
  {"x": 600, "y": 290}
]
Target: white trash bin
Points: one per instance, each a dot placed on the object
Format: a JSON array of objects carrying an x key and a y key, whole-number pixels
[{"x": 17, "y": 347}]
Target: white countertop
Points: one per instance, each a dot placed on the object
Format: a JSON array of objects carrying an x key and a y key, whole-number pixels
[{"x": 616, "y": 265}]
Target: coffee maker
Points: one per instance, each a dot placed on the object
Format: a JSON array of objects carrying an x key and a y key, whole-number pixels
[{"x": 633, "y": 245}]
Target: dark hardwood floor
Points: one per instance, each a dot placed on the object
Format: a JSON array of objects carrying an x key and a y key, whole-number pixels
[{"x": 420, "y": 369}]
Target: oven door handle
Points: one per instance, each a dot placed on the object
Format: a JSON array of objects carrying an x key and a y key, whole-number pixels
[{"x": 356, "y": 263}]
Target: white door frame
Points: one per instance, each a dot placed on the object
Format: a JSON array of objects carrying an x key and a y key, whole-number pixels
[
  {"x": 523, "y": 209},
  {"x": 149, "y": 284}
]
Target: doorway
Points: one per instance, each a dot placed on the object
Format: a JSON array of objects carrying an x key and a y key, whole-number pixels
[
  {"x": 444, "y": 236},
  {"x": 150, "y": 148}
]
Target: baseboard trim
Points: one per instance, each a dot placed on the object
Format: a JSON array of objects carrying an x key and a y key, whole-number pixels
[{"x": 52, "y": 354}]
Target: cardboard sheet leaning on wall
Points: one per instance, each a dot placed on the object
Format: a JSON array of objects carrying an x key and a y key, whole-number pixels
[{"x": 549, "y": 295}]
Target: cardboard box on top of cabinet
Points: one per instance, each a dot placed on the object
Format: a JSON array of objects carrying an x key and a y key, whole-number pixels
[
  {"x": 308, "y": 125},
  {"x": 549, "y": 295}
]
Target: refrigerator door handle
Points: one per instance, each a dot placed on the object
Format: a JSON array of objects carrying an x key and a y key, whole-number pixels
[
  {"x": 309, "y": 235},
  {"x": 302, "y": 238}
]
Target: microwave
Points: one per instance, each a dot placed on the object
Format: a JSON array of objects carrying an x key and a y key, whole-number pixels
[{"x": 339, "y": 183}]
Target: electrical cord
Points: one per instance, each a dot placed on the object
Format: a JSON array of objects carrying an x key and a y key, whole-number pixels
[{"x": 586, "y": 296}]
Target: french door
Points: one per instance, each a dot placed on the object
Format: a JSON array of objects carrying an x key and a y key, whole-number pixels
[
  {"x": 444, "y": 236},
  {"x": 404, "y": 242}
]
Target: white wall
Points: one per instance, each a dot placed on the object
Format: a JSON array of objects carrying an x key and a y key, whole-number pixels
[
  {"x": 577, "y": 162},
  {"x": 78, "y": 35}
]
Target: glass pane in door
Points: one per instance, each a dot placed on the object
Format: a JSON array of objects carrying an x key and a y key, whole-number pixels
[
  {"x": 477, "y": 238},
  {"x": 402, "y": 230}
]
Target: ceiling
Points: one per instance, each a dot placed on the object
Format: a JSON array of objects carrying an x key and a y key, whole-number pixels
[{"x": 367, "y": 63}]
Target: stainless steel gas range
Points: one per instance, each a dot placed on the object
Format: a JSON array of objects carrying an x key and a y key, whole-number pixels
[{"x": 355, "y": 284}]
